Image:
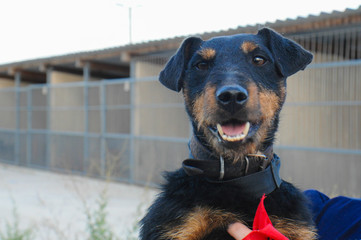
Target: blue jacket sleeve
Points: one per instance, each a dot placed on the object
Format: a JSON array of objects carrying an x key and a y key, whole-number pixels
[{"x": 336, "y": 218}]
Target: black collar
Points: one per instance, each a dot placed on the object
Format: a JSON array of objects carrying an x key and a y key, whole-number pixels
[{"x": 263, "y": 179}]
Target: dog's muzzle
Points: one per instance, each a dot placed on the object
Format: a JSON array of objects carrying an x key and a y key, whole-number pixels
[{"x": 231, "y": 99}]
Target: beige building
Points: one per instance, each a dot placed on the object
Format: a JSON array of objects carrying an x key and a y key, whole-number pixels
[{"x": 104, "y": 114}]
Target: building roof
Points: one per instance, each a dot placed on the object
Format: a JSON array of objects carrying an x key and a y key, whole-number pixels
[{"x": 114, "y": 62}]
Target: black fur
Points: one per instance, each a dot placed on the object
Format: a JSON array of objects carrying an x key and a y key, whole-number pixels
[
  {"x": 187, "y": 70},
  {"x": 182, "y": 193}
]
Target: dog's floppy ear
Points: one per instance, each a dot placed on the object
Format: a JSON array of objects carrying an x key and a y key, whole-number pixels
[
  {"x": 289, "y": 56},
  {"x": 172, "y": 74}
]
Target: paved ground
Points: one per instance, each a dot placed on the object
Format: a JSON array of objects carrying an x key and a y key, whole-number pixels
[{"x": 54, "y": 205}]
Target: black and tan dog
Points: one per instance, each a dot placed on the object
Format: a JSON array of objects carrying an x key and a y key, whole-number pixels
[{"x": 234, "y": 88}]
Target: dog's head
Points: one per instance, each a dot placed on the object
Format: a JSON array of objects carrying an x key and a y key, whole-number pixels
[{"x": 234, "y": 87}]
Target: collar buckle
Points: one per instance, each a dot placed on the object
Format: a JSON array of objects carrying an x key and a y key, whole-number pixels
[{"x": 265, "y": 159}]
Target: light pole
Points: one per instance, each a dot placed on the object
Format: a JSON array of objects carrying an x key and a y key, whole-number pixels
[
  {"x": 130, "y": 5},
  {"x": 130, "y": 24}
]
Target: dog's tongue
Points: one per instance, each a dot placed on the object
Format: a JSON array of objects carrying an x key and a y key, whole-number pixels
[
  {"x": 233, "y": 129},
  {"x": 233, "y": 132}
]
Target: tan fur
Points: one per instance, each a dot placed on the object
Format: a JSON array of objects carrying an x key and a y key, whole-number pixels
[
  {"x": 269, "y": 103},
  {"x": 207, "y": 53},
  {"x": 198, "y": 109},
  {"x": 201, "y": 221},
  {"x": 210, "y": 100},
  {"x": 198, "y": 223},
  {"x": 248, "y": 47},
  {"x": 283, "y": 93},
  {"x": 253, "y": 101},
  {"x": 260, "y": 101},
  {"x": 294, "y": 230},
  {"x": 204, "y": 105}
]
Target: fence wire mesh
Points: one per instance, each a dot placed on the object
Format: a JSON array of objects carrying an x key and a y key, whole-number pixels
[{"x": 133, "y": 129}]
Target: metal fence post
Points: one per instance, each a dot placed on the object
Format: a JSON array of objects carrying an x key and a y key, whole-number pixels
[
  {"x": 48, "y": 117},
  {"x": 103, "y": 128},
  {"x": 132, "y": 83},
  {"x": 29, "y": 126},
  {"x": 132, "y": 132},
  {"x": 17, "y": 121},
  {"x": 86, "y": 77}
]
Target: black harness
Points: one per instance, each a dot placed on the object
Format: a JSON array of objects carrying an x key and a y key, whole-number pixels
[{"x": 258, "y": 174}]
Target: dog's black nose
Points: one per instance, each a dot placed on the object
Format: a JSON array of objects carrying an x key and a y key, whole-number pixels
[{"x": 231, "y": 97}]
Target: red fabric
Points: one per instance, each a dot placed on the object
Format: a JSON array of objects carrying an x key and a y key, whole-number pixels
[{"x": 262, "y": 226}]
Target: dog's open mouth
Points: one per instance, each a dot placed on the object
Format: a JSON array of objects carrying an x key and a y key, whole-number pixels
[{"x": 232, "y": 131}]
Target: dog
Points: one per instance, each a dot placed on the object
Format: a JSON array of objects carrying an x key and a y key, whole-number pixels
[{"x": 233, "y": 88}]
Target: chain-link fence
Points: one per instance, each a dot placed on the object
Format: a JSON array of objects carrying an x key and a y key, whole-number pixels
[{"x": 133, "y": 129}]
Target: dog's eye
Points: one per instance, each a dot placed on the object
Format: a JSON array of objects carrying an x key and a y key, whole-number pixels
[
  {"x": 259, "y": 61},
  {"x": 202, "y": 66}
]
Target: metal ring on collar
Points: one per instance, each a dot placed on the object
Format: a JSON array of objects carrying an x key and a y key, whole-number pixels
[{"x": 221, "y": 171}]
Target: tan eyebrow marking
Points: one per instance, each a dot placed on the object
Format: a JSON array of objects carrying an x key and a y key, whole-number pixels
[
  {"x": 207, "y": 53},
  {"x": 248, "y": 46}
]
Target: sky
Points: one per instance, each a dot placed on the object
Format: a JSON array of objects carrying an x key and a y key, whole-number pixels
[{"x": 40, "y": 28}]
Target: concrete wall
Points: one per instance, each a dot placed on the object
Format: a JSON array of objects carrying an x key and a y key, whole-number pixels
[
  {"x": 159, "y": 112},
  {"x": 62, "y": 77},
  {"x": 8, "y": 109},
  {"x": 5, "y": 83},
  {"x": 158, "y": 120},
  {"x": 321, "y": 109},
  {"x": 323, "y": 114},
  {"x": 332, "y": 173},
  {"x": 67, "y": 103},
  {"x": 145, "y": 69}
]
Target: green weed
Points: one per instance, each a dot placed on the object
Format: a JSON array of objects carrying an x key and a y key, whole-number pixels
[
  {"x": 97, "y": 225},
  {"x": 13, "y": 231}
]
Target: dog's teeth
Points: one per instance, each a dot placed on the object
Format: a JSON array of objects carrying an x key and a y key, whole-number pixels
[
  {"x": 219, "y": 128},
  {"x": 235, "y": 138},
  {"x": 246, "y": 128}
]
